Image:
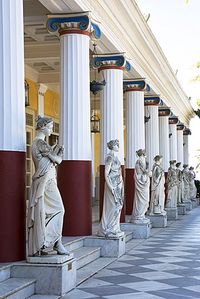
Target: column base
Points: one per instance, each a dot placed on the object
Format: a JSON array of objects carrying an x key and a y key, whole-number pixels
[
  {"x": 140, "y": 231},
  {"x": 158, "y": 220},
  {"x": 188, "y": 205},
  {"x": 55, "y": 275},
  {"x": 172, "y": 213},
  {"x": 181, "y": 210},
  {"x": 110, "y": 247},
  {"x": 194, "y": 203}
]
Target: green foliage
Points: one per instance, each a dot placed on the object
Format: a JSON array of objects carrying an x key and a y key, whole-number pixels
[{"x": 197, "y": 112}]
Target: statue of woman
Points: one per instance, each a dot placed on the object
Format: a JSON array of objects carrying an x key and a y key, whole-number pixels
[
  {"x": 179, "y": 183},
  {"x": 186, "y": 184},
  {"x": 157, "y": 188},
  {"x": 193, "y": 189},
  {"x": 172, "y": 185},
  {"x": 46, "y": 211},
  {"x": 113, "y": 194},
  {"x": 142, "y": 181}
]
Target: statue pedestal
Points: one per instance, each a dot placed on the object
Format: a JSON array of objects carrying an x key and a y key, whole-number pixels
[
  {"x": 181, "y": 209},
  {"x": 172, "y": 213},
  {"x": 188, "y": 205},
  {"x": 158, "y": 220},
  {"x": 110, "y": 247},
  {"x": 54, "y": 274},
  {"x": 194, "y": 203},
  {"x": 139, "y": 230}
]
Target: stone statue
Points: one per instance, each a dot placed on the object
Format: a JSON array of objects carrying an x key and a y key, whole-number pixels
[
  {"x": 113, "y": 194},
  {"x": 179, "y": 184},
  {"x": 186, "y": 184},
  {"x": 193, "y": 189},
  {"x": 142, "y": 181},
  {"x": 45, "y": 211},
  {"x": 172, "y": 185},
  {"x": 157, "y": 188}
]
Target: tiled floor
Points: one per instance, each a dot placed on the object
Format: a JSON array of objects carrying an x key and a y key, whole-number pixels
[{"x": 167, "y": 265}]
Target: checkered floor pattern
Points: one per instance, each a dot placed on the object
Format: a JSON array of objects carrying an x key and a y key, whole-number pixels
[{"x": 167, "y": 265}]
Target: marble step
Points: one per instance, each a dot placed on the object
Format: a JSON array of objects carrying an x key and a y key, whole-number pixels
[
  {"x": 73, "y": 243},
  {"x": 86, "y": 255},
  {"x": 17, "y": 288},
  {"x": 89, "y": 270},
  {"x": 4, "y": 272},
  {"x": 128, "y": 236},
  {"x": 44, "y": 297}
]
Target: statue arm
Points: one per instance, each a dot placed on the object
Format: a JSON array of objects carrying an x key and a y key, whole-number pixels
[{"x": 47, "y": 151}]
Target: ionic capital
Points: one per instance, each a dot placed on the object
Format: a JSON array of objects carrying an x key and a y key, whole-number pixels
[
  {"x": 173, "y": 120},
  {"x": 152, "y": 100},
  {"x": 187, "y": 131},
  {"x": 135, "y": 85},
  {"x": 110, "y": 61},
  {"x": 164, "y": 111},
  {"x": 77, "y": 23}
]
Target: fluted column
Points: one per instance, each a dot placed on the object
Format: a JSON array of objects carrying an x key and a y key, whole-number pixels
[
  {"x": 164, "y": 136},
  {"x": 151, "y": 128},
  {"x": 111, "y": 104},
  {"x": 74, "y": 174},
  {"x": 12, "y": 132},
  {"x": 173, "y": 138},
  {"x": 186, "y": 134},
  {"x": 41, "y": 92},
  {"x": 135, "y": 134},
  {"x": 180, "y": 128}
]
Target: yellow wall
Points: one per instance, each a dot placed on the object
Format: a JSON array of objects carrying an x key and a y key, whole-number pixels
[{"x": 51, "y": 100}]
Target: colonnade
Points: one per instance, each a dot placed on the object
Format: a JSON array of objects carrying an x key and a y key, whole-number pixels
[{"x": 74, "y": 175}]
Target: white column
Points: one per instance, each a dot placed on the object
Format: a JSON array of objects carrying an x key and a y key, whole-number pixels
[
  {"x": 164, "y": 137},
  {"x": 180, "y": 144},
  {"x": 12, "y": 132},
  {"x": 75, "y": 97},
  {"x": 112, "y": 112},
  {"x": 185, "y": 149},
  {"x": 135, "y": 132},
  {"x": 152, "y": 134},
  {"x": 172, "y": 141},
  {"x": 12, "y": 98},
  {"x": 41, "y": 92}
]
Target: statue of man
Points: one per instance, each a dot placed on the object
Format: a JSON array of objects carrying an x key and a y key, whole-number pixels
[
  {"x": 172, "y": 185},
  {"x": 142, "y": 181},
  {"x": 45, "y": 211},
  {"x": 157, "y": 188}
]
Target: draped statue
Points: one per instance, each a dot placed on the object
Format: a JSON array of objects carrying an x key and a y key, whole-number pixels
[
  {"x": 45, "y": 210},
  {"x": 186, "y": 184},
  {"x": 157, "y": 188},
  {"x": 142, "y": 181},
  {"x": 193, "y": 189},
  {"x": 113, "y": 194},
  {"x": 172, "y": 185},
  {"x": 179, "y": 184}
]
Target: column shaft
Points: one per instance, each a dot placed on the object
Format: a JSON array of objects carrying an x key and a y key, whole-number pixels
[
  {"x": 74, "y": 175},
  {"x": 164, "y": 141},
  {"x": 180, "y": 146},
  {"x": 135, "y": 139},
  {"x": 12, "y": 132},
  {"x": 152, "y": 134},
  {"x": 173, "y": 142},
  {"x": 185, "y": 149}
]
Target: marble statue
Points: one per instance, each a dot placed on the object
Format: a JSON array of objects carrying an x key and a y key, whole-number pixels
[
  {"x": 186, "y": 184},
  {"x": 179, "y": 184},
  {"x": 142, "y": 182},
  {"x": 157, "y": 188},
  {"x": 172, "y": 185},
  {"x": 193, "y": 189},
  {"x": 45, "y": 211},
  {"x": 113, "y": 194}
]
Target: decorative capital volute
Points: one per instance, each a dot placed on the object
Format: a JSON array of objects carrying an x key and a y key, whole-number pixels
[
  {"x": 164, "y": 111},
  {"x": 180, "y": 126},
  {"x": 110, "y": 61},
  {"x": 77, "y": 23},
  {"x": 173, "y": 120},
  {"x": 135, "y": 85},
  {"x": 152, "y": 100}
]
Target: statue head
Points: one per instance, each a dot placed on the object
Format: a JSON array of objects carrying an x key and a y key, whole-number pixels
[
  {"x": 112, "y": 144},
  {"x": 141, "y": 152},
  {"x": 44, "y": 124},
  {"x": 191, "y": 168},
  {"x": 178, "y": 164},
  {"x": 172, "y": 162},
  {"x": 185, "y": 166},
  {"x": 158, "y": 158}
]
